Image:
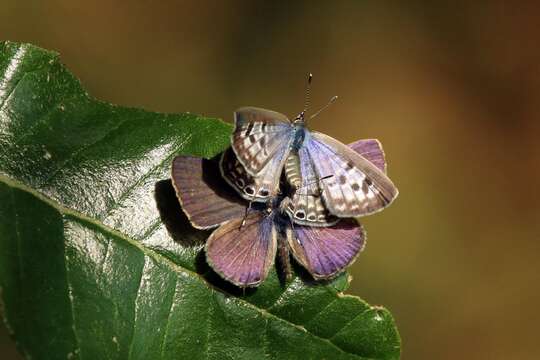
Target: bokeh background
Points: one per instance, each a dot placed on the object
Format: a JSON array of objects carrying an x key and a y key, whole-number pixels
[{"x": 452, "y": 89}]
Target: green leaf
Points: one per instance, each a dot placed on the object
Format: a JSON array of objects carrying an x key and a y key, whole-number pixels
[{"x": 97, "y": 261}]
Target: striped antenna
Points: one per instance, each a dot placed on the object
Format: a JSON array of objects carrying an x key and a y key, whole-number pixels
[{"x": 308, "y": 89}]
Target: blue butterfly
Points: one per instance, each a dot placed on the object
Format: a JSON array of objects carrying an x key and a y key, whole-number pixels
[{"x": 265, "y": 142}]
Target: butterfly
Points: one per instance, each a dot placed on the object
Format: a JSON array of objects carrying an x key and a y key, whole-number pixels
[
  {"x": 243, "y": 254},
  {"x": 264, "y": 140},
  {"x": 306, "y": 207}
]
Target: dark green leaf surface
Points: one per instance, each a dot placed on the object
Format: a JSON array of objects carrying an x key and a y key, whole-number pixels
[{"x": 97, "y": 260}]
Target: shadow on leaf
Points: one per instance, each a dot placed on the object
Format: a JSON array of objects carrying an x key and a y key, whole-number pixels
[{"x": 174, "y": 218}]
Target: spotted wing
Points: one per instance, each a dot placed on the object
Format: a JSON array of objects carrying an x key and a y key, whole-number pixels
[
  {"x": 205, "y": 198},
  {"x": 326, "y": 251},
  {"x": 306, "y": 206},
  {"x": 243, "y": 255},
  {"x": 260, "y": 188},
  {"x": 357, "y": 186},
  {"x": 259, "y": 137}
]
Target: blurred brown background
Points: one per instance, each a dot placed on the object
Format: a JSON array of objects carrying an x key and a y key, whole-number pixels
[{"x": 451, "y": 89}]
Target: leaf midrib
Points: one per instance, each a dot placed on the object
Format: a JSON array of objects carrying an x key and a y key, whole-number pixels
[{"x": 156, "y": 256}]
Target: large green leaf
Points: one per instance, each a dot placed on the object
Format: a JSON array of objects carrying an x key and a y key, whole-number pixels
[{"x": 97, "y": 260}]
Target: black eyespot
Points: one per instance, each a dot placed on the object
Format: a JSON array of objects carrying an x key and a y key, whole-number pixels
[
  {"x": 311, "y": 217},
  {"x": 264, "y": 192},
  {"x": 300, "y": 214},
  {"x": 240, "y": 182},
  {"x": 342, "y": 179},
  {"x": 249, "y": 190},
  {"x": 355, "y": 187}
]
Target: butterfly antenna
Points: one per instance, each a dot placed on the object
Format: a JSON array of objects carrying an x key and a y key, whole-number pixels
[
  {"x": 308, "y": 91},
  {"x": 324, "y": 107}
]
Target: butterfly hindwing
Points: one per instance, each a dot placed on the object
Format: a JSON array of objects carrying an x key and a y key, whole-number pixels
[
  {"x": 244, "y": 254},
  {"x": 357, "y": 186},
  {"x": 260, "y": 136},
  {"x": 371, "y": 150},
  {"x": 326, "y": 251},
  {"x": 260, "y": 188}
]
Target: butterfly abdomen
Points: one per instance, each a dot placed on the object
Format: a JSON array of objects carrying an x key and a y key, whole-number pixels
[{"x": 292, "y": 170}]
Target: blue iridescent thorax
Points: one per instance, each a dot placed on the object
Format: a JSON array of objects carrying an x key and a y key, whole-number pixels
[{"x": 299, "y": 135}]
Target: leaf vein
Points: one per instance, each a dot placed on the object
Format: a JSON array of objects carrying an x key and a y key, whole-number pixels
[
  {"x": 349, "y": 322},
  {"x": 135, "y": 310},
  {"x": 71, "y": 301},
  {"x": 166, "y": 332},
  {"x": 74, "y": 154},
  {"x": 131, "y": 187},
  {"x": 314, "y": 316}
]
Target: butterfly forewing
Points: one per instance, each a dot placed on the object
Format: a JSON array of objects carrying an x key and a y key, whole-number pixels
[
  {"x": 204, "y": 197},
  {"x": 260, "y": 136},
  {"x": 306, "y": 206},
  {"x": 243, "y": 254},
  {"x": 326, "y": 251},
  {"x": 357, "y": 187}
]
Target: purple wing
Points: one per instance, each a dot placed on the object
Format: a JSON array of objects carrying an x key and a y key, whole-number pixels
[
  {"x": 244, "y": 255},
  {"x": 260, "y": 136},
  {"x": 371, "y": 149},
  {"x": 326, "y": 251},
  {"x": 205, "y": 198}
]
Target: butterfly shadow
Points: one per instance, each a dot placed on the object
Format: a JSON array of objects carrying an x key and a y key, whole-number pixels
[{"x": 175, "y": 220}]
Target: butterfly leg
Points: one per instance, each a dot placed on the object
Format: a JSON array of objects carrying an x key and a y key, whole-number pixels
[
  {"x": 284, "y": 259},
  {"x": 248, "y": 208}
]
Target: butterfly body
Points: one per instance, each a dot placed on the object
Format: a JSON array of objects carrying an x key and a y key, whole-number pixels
[{"x": 299, "y": 133}]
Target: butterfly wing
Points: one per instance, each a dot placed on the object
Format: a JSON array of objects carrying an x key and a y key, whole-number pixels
[
  {"x": 204, "y": 196},
  {"x": 306, "y": 206},
  {"x": 371, "y": 150},
  {"x": 326, "y": 251},
  {"x": 260, "y": 136},
  {"x": 260, "y": 188},
  {"x": 243, "y": 256},
  {"x": 357, "y": 187}
]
